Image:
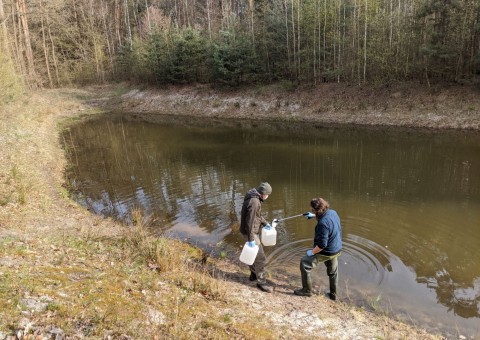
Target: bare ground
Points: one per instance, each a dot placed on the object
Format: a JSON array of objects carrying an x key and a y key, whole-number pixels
[
  {"x": 55, "y": 253},
  {"x": 405, "y": 105}
]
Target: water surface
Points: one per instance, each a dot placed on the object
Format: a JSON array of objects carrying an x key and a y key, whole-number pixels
[{"x": 409, "y": 201}]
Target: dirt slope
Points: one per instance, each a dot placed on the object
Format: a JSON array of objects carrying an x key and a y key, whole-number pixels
[{"x": 406, "y": 104}]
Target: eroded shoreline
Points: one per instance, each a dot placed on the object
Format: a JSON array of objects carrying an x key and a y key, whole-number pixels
[{"x": 330, "y": 104}]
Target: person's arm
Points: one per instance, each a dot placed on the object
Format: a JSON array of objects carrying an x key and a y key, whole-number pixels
[
  {"x": 263, "y": 221},
  {"x": 321, "y": 238}
]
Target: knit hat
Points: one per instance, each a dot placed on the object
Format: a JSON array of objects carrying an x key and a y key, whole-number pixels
[{"x": 264, "y": 189}]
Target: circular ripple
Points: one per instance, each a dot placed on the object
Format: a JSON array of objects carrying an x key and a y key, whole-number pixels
[{"x": 361, "y": 259}]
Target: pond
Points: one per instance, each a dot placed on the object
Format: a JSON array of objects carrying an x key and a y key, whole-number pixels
[{"x": 409, "y": 201}]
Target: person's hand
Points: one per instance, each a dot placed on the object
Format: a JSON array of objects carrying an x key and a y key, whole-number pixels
[
  {"x": 309, "y": 252},
  {"x": 309, "y": 215},
  {"x": 268, "y": 226},
  {"x": 251, "y": 244}
]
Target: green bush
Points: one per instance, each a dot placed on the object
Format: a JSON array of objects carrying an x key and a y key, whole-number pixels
[
  {"x": 177, "y": 58},
  {"x": 234, "y": 60}
]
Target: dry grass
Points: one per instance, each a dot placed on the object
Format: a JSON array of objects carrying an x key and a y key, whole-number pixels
[
  {"x": 96, "y": 286},
  {"x": 135, "y": 285}
]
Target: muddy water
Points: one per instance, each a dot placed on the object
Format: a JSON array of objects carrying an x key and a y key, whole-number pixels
[{"x": 409, "y": 201}]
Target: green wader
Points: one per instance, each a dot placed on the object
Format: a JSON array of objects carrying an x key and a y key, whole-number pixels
[{"x": 307, "y": 263}]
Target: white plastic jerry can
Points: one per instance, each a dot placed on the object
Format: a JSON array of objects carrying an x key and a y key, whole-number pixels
[
  {"x": 269, "y": 237},
  {"x": 249, "y": 254}
]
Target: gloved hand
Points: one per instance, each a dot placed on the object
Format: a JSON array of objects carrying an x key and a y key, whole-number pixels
[
  {"x": 309, "y": 252},
  {"x": 268, "y": 226},
  {"x": 309, "y": 215},
  {"x": 251, "y": 244}
]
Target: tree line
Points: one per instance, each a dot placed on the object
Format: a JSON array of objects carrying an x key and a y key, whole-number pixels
[{"x": 235, "y": 42}]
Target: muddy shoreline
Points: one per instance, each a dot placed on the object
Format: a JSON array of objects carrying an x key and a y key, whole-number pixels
[{"x": 328, "y": 105}]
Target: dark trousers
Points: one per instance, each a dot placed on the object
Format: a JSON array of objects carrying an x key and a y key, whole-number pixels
[
  {"x": 307, "y": 263},
  {"x": 258, "y": 267}
]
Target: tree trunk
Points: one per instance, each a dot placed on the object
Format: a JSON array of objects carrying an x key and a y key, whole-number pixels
[
  {"x": 462, "y": 44},
  {"x": 177, "y": 15},
  {"x": 117, "y": 22},
  {"x": 127, "y": 23},
  {"x": 4, "y": 30},
  {"x": 22, "y": 12},
  {"x": 252, "y": 23},
  {"x": 365, "y": 43},
  {"x": 319, "y": 62},
  {"x": 354, "y": 40},
  {"x": 19, "y": 59},
  {"x": 287, "y": 38},
  {"x": 334, "y": 38},
  {"x": 209, "y": 20},
  {"x": 314, "y": 34},
  {"x": 54, "y": 56},
  {"x": 298, "y": 41},
  {"x": 45, "y": 49},
  {"x": 294, "y": 42},
  {"x": 107, "y": 35},
  {"x": 147, "y": 9},
  {"x": 185, "y": 10},
  {"x": 324, "y": 34}
]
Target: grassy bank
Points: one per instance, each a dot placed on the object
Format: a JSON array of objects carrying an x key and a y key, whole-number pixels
[{"x": 65, "y": 272}]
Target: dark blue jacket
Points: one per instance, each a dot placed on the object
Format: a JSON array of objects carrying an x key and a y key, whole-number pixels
[{"x": 328, "y": 233}]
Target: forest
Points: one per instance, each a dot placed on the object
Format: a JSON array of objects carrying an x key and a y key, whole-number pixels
[{"x": 238, "y": 42}]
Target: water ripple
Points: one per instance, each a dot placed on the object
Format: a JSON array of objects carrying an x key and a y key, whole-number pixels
[{"x": 372, "y": 261}]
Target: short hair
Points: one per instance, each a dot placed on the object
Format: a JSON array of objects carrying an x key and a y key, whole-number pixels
[{"x": 319, "y": 205}]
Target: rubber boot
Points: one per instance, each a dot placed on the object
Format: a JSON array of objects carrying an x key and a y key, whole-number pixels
[
  {"x": 302, "y": 292},
  {"x": 306, "y": 289},
  {"x": 265, "y": 288},
  {"x": 333, "y": 280},
  {"x": 333, "y": 291},
  {"x": 253, "y": 276},
  {"x": 332, "y": 296},
  {"x": 262, "y": 283}
]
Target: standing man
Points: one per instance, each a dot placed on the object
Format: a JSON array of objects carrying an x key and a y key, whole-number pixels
[
  {"x": 250, "y": 227},
  {"x": 327, "y": 246}
]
